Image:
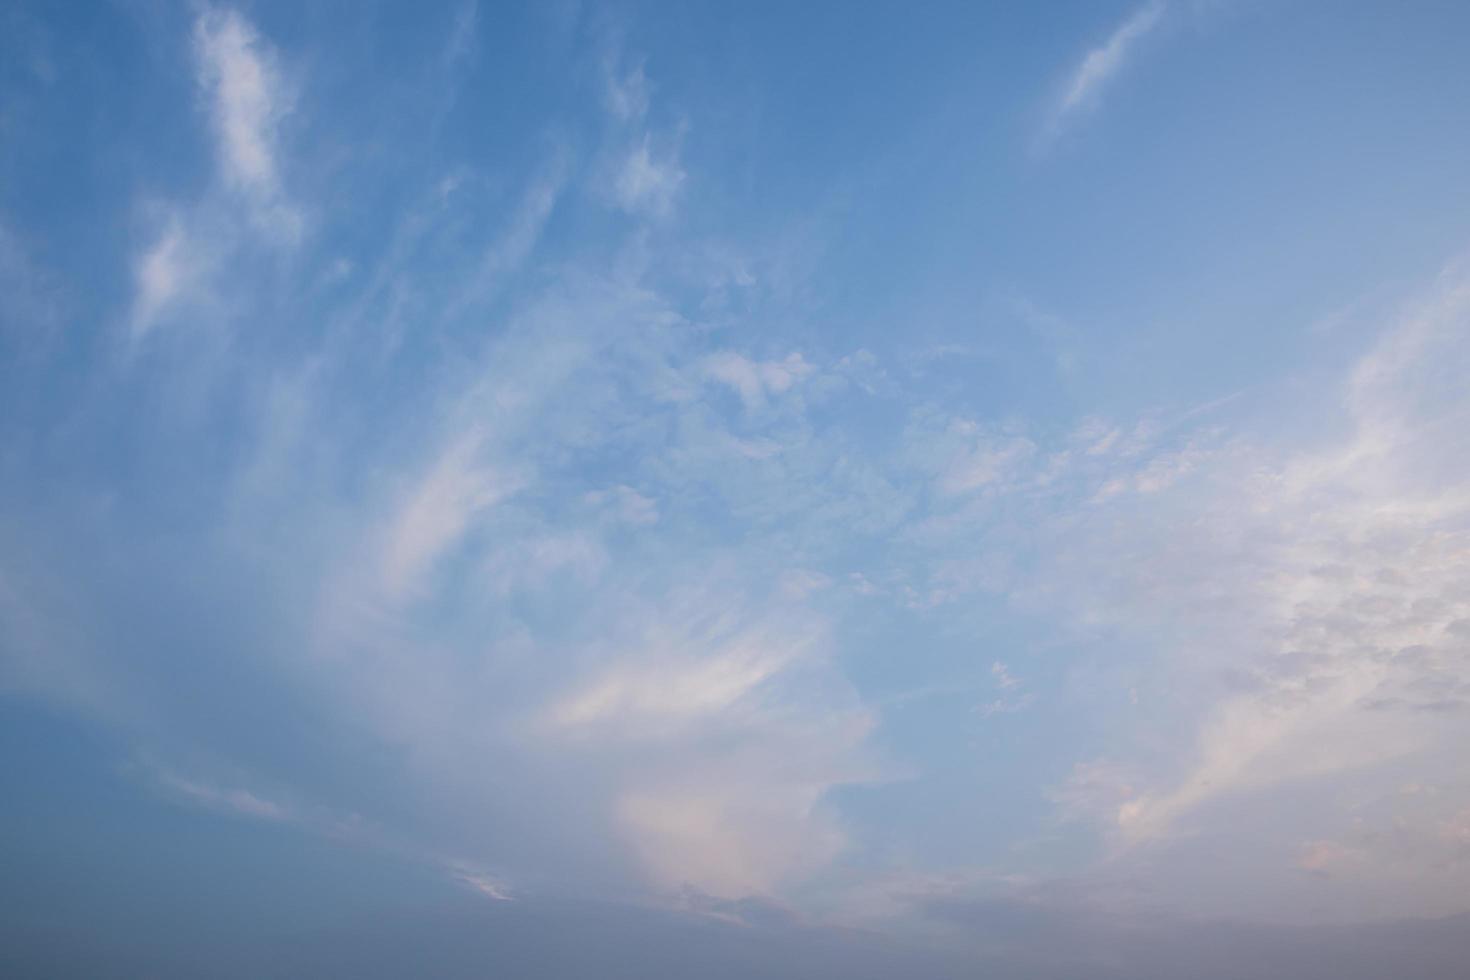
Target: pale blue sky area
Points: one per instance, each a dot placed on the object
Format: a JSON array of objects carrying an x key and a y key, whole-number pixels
[{"x": 790, "y": 489}]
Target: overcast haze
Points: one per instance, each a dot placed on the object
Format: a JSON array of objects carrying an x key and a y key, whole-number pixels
[{"x": 794, "y": 490}]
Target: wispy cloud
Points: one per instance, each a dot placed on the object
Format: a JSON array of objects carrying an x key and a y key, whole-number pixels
[
  {"x": 234, "y": 800},
  {"x": 245, "y": 96},
  {"x": 646, "y": 183},
  {"x": 625, "y": 92},
  {"x": 505, "y": 255},
  {"x": 248, "y": 100},
  {"x": 642, "y": 174},
  {"x": 1352, "y": 628},
  {"x": 1100, "y": 65},
  {"x": 482, "y": 882},
  {"x": 437, "y": 512},
  {"x": 756, "y": 381},
  {"x": 162, "y": 273},
  {"x": 740, "y": 726}
]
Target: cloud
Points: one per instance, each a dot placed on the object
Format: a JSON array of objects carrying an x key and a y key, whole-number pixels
[
  {"x": 248, "y": 100},
  {"x": 626, "y": 93},
  {"x": 730, "y": 837},
  {"x": 1271, "y": 617},
  {"x": 1362, "y": 571},
  {"x": 163, "y": 273},
  {"x": 1101, "y": 64},
  {"x": 462, "y": 35},
  {"x": 641, "y": 173},
  {"x": 481, "y": 882},
  {"x": 436, "y": 513},
  {"x": 1095, "y": 790},
  {"x": 624, "y": 504},
  {"x": 1278, "y": 623},
  {"x": 647, "y": 184},
  {"x": 1323, "y": 857},
  {"x": 237, "y": 74},
  {"x": 988, "y": 461},
  {"x": 738, "y": 727},
  {"x": 672, "y": 687},
  {"x": 692, "y": 708},
  {"x": 240, "y": 802},
  {"x": 515, "y": 547},
  {"x": 1011, "y": 697},
  {"x": 756, "y": 381},
  {"x": 508, "y": 252},
  {"x": 1003, "y": 678}
]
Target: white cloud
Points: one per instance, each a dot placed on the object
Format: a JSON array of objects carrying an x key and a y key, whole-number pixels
[
  {"x": 640, "y": 171},
  {"x": 728, "y": 836},
  {"x": 989, "y": 460},
  {"x": 1002, "y": 675},
  {"x": 756, "y": 381},
  {"x": 161, "y": 275},
  {"x": 437, "y": 512},
  {"x": 1325, "y": 856},
  {"x": 1102, "y": 63},
  {"x": 625, "y": 505},
  {"x": 1278, "y": 616},
  {"x": 240, "y": 802},
  {"x": 625, "y": 93},
  {"x": 1360, "y": 573},
  {"x": 798, "y": 583},
  {"x": 738, "y": 726},
  {"x": 963, "y": 457},
  {"x": 706, "y": 733},
  {"x": 1288, "y": 623},
  {"x": 1094, "y": 790},
  {"x": 248, "y": 100},
  {"x": 544, "y": 557},
  {"x": 488, "y": 885},
  {"x": 1011, "y": 700},
  {"x": 461, "y": 44},
  {"x": 675, "y": 683},
  {"x": 241, "y": 81},
  {"x": 508, "y": 252},
  {"x": 647, "y": 184}
]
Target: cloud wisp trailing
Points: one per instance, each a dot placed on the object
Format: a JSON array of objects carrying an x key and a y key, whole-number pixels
[{"x": 1087, "y": 82}]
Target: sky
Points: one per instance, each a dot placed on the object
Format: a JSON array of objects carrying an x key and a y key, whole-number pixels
[{"x": 816, "y": 490}]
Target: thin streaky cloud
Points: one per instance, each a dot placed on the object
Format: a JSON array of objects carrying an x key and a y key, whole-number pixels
[{"x": 1103, "y": 63}]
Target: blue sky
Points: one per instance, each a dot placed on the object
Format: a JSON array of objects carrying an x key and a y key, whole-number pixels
[{"x": 973, "y": 472}]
